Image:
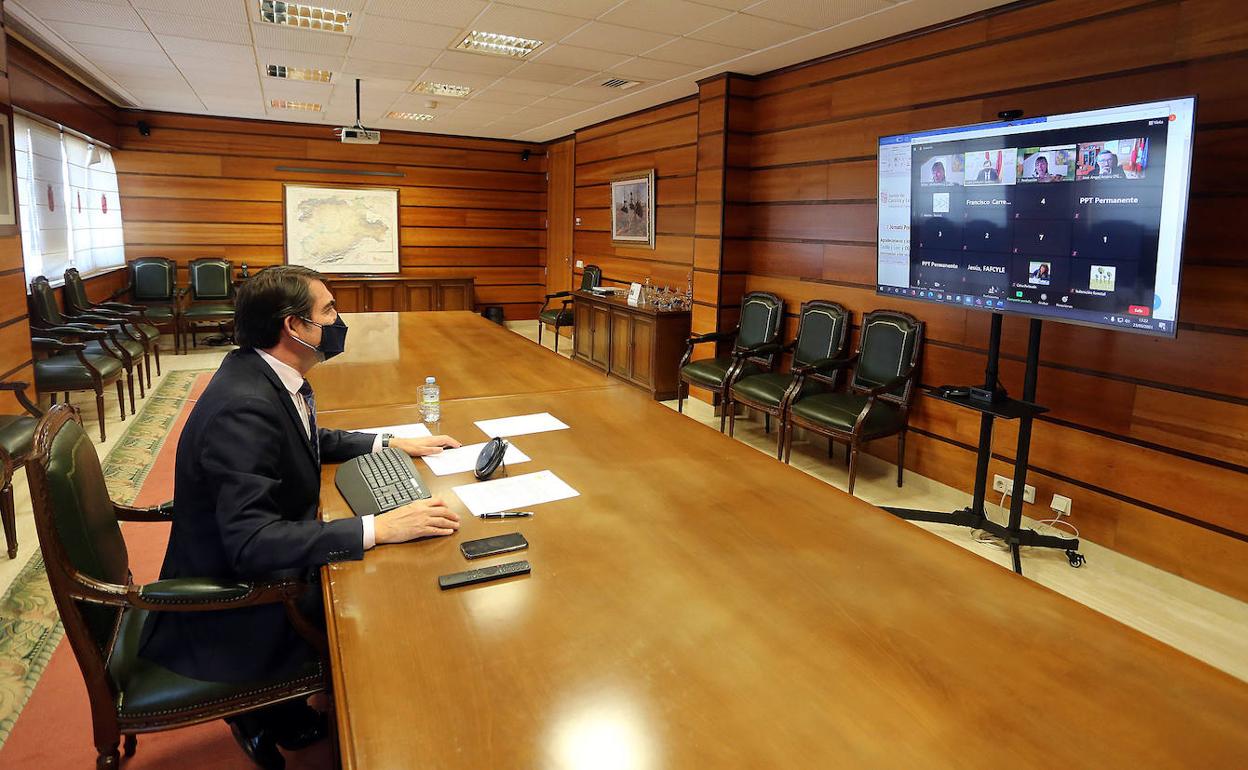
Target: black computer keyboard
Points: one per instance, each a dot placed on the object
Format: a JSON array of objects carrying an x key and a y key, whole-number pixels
[{"x": 379, "y": 482}]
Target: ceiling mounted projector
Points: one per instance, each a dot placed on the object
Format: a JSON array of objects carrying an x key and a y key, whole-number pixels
[{"x": 358, "y": 134}]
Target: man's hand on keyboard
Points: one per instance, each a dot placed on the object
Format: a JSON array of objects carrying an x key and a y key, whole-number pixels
[
  {"x": 429, "y": 445},
  {"x": 423, "y": 518}
]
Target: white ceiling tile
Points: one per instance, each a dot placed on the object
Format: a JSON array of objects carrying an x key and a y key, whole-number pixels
[
  {"x": 651, "y": 69},
  {"x": 177, "y": 47},
  {"x": 95, "y": 35},
  {"x": 221, "y": 69},
  {"x": 99, "y": 54},
  {"x": 456, "y": 14},
  {"x": 221, "y": 10},
  {"x": 574, "y": 56},
  {"x": 676, "y": 17},
  {"x": 479, "y": 63},
  {"x": 585, "y": 9},
  {"x": 419, "y": 103},
  {"x": 549, "y": 73},
  {"x": 816, "y": 14},
  {"x": 332, "y": 62},
  {"x": 371, "y": 83},
  {"x": 698, "y": 53},
  {"x": 374, "y": 50},
  {"x": 307, "y": 41},
  {"x": 534, "y": 87},
  {"x": 208, "y": 89},
  {"x": 364, "y": 69},
  {"x": 165, "y": 23},
  {"x": 84, "y": 12},
  {"x": 617, "y": 39},
  {"x": 297, "y": 91},
  {"x": 413, "y": 33},
  {"x": 523, "y": 22},
  {"x": 731, "y": 5},
  {"x": 749, "y": 32},
  {"x": 566, "y": 105},
  {"x": 501, "y": 96},
  {"x": 590, "y": 92}
]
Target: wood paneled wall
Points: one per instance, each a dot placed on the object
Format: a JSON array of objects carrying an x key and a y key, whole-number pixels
[
  {"x": 1148, "y": 436},
  {"x": 665, "y": 139},
  {"x": 15, "y": 355},
  {"x": 469, "y": 208}
]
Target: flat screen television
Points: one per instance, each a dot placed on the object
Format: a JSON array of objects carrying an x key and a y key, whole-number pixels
[{"x": 1077, "y": 217}]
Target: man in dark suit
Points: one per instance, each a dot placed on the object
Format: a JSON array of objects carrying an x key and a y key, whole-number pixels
[{"x": 246, "y": 489}]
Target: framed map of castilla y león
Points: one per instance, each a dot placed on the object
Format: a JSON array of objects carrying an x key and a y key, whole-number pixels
[{"x": 342, "y": 229}]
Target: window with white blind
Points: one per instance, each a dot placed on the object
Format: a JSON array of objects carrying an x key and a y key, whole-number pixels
[{"x": 68, "y": 203}]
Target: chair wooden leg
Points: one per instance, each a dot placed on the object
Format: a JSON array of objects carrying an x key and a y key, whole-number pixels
[
  {"x": 780, "y": 430},
  {"x": 53, "y": 397},
  {"x": 767, "y": 423},
  {"x": 853, "y": 465},
  {"x": 680, "y": 396},
  {"x": 788, "y": 444},
  {"x": 9, "y": 515},
  {"x": 106, "y": 757},
  {"x": 557, "y": 335},
  {"x": 731, "y": 406},
  {"x": 723, "y": 414},
  {"x": 131, "y": 742},
  {"x": 156, "y": 354},
  {"x": 540, "y": 325},
  {"x": 67, "y": 396},
  {"x": 142, "y": 390},
  {"x": 121, "y": 399},
  {"x": 147, "y": 367},
  {"x": 99, "y": 410},
  {"x": 130, "y": 386},
  {"x": 901, "y": 455}
]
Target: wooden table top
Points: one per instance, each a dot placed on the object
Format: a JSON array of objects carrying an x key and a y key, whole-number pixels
[
  {"x": 701, "y": 605},
  {"x": 389, "y": 355}
]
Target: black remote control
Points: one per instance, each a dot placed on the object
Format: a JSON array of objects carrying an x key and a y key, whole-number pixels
[{"x": 495, "y": 572}]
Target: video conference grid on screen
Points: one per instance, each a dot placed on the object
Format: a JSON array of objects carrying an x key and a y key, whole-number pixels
[{"x": 1077, "y": 217}]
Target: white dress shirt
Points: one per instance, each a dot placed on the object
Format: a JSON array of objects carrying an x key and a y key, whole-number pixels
[{"x": 292, "y": 380}]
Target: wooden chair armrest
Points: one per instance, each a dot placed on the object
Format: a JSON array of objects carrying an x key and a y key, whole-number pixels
[{"x": 162, "y": 512}]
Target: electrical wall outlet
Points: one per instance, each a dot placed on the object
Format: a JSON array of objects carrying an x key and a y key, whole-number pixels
[
  {"x": 580, "y": 263},
  {"x": 1061, "y": 504},
  {"x": 1002, "y": 484}
]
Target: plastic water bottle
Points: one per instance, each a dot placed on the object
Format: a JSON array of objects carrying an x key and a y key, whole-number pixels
[{"x": 431, "y": 400}]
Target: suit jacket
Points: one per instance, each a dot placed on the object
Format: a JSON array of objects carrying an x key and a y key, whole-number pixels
[{"x": 246, "y": 492}]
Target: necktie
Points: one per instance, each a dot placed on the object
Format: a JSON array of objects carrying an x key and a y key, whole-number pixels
[{"x": 310, "y": 400}]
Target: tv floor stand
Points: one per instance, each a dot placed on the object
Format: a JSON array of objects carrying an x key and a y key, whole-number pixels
[{"x": 1001, "y": 407}]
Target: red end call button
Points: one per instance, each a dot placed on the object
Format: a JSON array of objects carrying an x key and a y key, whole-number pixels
[{"x": 1137, "y": 310}]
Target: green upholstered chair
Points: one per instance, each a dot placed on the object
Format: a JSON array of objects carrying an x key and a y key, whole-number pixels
[
  {"x": 877, "y": 404},
  {"x": 103, "y": 610},
  {"x": 754, "y": 349},
  {"x": 822, "y": 331},
  {"x": 67, "y": 364},
  {"x": 17, "y": 432},
  {"x": 153, "y": 287},
  {"x": 212, "y": 296},
  {"x": 121, "y": 340},
  {"x": 560, "y": 317},
  {"x": 77, "y": 303}
]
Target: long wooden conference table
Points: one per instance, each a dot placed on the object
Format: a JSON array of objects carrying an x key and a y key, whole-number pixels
[{"x": 701, "y": 605}]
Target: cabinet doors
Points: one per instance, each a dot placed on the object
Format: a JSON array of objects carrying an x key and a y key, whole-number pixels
[
  {"x": 348, "y": 297},
  {"x": 455, "y": 296},
  {"x": 621, "y": 350},
  {"x": 420, "y": 296},
  {"x": 600, "y": 337},
  {"x": 641, "y": 350},
  {"x": 582, "y": 331},
  {"x": 383, "y": 296}
]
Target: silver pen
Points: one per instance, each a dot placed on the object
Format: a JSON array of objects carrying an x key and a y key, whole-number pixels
[{"x": 507, "y": 515}]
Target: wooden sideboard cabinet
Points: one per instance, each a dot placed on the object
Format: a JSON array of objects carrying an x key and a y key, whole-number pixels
[
  {"x": 640, "y": 345},
  {"x": 375, "y": 293}
]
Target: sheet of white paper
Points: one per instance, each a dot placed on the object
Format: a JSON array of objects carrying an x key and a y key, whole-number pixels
[
  {"x": 411, "y": 430},
  {"x": 520, "y": 425},
  {"x": 514, "y": 492},
  {"x": 464, "y": 458}
]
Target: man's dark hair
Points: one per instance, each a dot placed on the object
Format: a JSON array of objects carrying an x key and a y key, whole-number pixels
[{"x": 265, "y": 299}]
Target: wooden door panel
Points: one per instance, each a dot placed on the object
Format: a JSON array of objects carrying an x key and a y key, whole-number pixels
[
  {"x": 641, "y": 350},
  {"x": 621, "y": 328}
]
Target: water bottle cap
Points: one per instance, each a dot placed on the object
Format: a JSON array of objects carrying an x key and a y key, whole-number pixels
[{"x": 430, "y": 380}]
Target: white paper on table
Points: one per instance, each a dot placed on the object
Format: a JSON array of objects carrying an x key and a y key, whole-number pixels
[
  {"x": 520, "y": 425},
  {"x": 464, "y": 458},
  {"x": 514, "y": 492},
  {"x": 410, "y": 430}
]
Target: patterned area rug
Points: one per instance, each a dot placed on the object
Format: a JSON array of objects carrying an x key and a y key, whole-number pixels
[{"x": 30, "y": 627}]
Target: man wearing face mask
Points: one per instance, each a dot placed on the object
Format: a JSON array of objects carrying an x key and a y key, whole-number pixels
[{"x": 246, "y": 489}]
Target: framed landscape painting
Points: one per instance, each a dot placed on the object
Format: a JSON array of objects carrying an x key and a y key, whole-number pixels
[
  {"x": 632, "y": 209},
  {"x": 342, "y": 229}
]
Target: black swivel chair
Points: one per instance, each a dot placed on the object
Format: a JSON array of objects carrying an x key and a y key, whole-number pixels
[
  {"x": 822, "y": 331},
  {"x": 886, "y": 368},
  {"x": 754, "y": 349},
  {"x": 562, "y": 316}
]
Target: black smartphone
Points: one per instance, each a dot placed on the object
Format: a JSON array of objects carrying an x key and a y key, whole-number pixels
[{"x": 488, "y": 546}]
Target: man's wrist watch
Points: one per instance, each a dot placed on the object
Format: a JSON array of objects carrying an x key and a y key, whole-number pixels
[{"x": 386, "y": 438}]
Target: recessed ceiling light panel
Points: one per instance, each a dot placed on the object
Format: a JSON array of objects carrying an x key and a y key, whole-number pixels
[
  {"x": 304, "y": 16},
  {"x": 299, "y": 73},
  {"x": 409, "y": 116},
  {"x": 498, "y": 45},
  {"x": 284, "y": 104},
  {"x": 441, "y": 89}
]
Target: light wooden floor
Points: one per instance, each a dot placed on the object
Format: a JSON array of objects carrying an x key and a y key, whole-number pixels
[{"x": 1203, "y": 623}]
